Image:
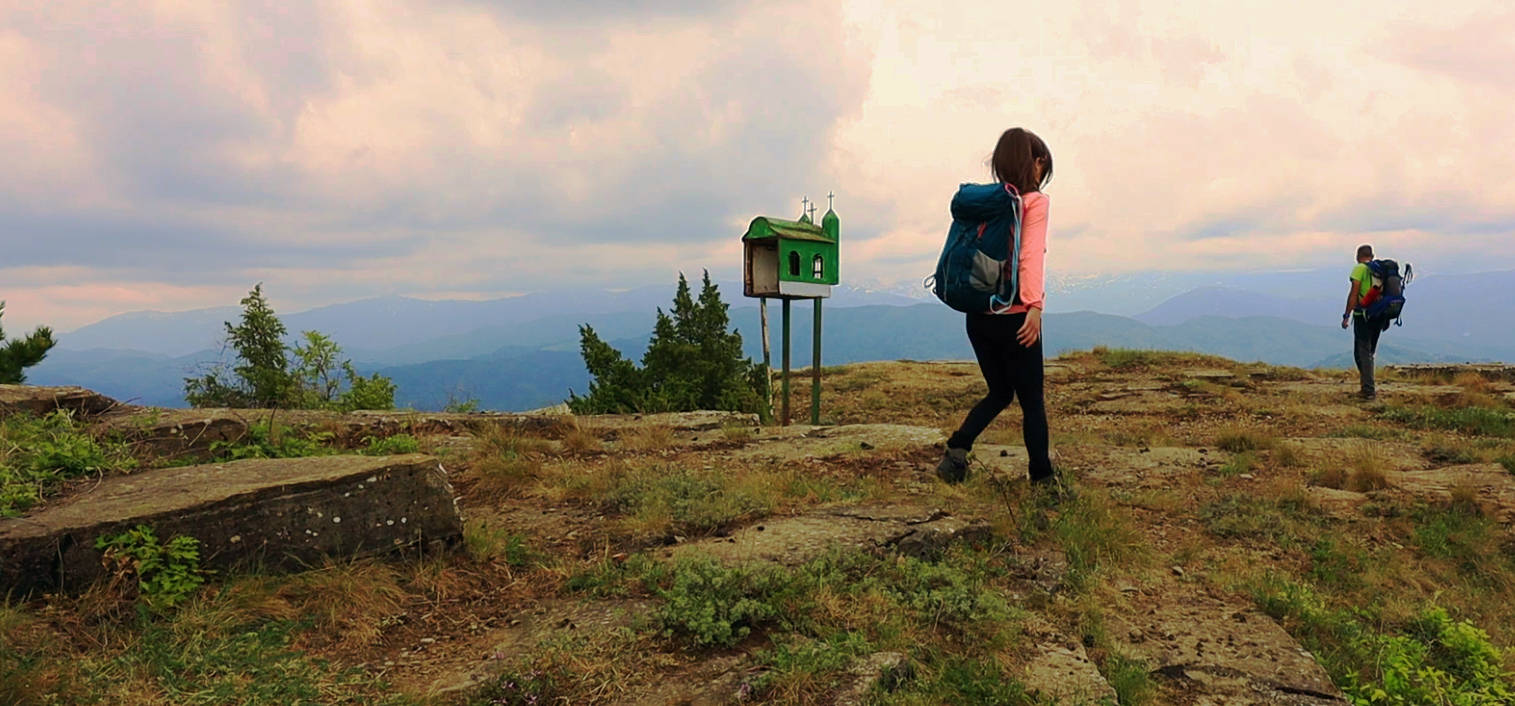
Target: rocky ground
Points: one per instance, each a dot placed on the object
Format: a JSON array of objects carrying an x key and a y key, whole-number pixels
[{"x": 1239, "y": 534}]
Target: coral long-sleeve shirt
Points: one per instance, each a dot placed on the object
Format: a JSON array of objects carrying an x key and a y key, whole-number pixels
[{"x": 1033, "y": 256}]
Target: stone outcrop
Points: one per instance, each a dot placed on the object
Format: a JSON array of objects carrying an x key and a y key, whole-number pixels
[
  {"x": 791, "y": 541},
  {"x": 35, "y": 400},
  {"x": 1492, "y": 371},
  {"x": 277, "y": 514},
  {"x": 177, "y": 433},
  {"x": 1222, "y": 652}
]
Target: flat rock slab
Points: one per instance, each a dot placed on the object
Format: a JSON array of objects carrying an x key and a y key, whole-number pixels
[
  {"x": 1139, "y": 467},
  {"x": 280, "y": 514},
  {"x": 1060, "y": 670},
  {"x": 1493, "y": 485},
  {"x": 469, "y": 667},
  {"x": 791, "y": 541},
  {"x": 35, "y": 400},
  {"x": 1217, "y": 652},
  {"x": 821, "y": 442},
  {"x": 1332, "y": 451},
  {"x": 192, "y": 432}
]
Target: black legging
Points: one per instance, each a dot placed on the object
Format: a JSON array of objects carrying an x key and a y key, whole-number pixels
[{"x": 1010, "y": 370}]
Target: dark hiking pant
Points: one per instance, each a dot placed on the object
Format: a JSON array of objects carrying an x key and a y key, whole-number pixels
[
  {"x": 1364, "y": 347},
  {"x": 1011, "y": 370}
]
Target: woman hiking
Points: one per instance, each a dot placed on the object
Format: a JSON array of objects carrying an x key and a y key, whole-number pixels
[{"x": 1008, "y": 342}]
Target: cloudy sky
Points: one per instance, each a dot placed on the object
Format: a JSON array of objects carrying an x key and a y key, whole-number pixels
[{"x": 167, "y": 155}]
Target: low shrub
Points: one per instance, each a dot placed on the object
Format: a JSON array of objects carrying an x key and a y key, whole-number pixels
[{"x": 167, "y": 572}]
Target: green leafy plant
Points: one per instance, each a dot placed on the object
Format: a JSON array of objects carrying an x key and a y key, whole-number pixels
[
  {"x": 1434, "y": 659},
  {"x": 268, "y": 440},
  {"x": 38, "y": 453},
  {"x": 713, "y": 605},
  {"x": 390, "y": 445},
  {"x": 167, "y": 572}
]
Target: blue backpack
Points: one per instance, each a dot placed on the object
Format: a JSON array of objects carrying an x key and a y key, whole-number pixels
[
  {"x": 1389, "y": 301},
  {"x": 983, "y": 244}
]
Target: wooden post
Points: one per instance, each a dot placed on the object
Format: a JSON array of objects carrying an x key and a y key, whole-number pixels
[
  {"x": 785, "y": 383},
  {"x": 815, "y": 368},
  {"x": 767, "y": 357}
]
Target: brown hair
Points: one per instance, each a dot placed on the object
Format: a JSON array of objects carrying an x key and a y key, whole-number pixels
[
  {"x": 1364, "y": 251},
  {"x": 1014, "y": 157}
]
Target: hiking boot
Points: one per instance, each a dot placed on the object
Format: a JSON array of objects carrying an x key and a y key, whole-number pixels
[
  {"x": 954, "y": 465},
  {"x": 1367, "y": 395},
  {"x": 1053, "y": 489}
]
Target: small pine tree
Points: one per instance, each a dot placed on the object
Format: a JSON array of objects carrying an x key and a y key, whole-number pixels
[
  {"x": 692, "y": 362},
  {"x": 263, "y": 377},
  {"x": 22, "y": 353}
]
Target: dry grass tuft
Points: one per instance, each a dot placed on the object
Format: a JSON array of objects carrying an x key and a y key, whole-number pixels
[
  {"x": 1472, "y": 382},
  {"x": 739, "y": 433},
  {"x": 504, "y": 462},
  {"x": 1238, "y": 440},
  {"x": 1332, "y": 478},
  {"x": 1465, "y": 499},
  {"x": 579, "y": 440},
  {"x": 1368, "y": 478},
  {"x": 1288, "y": 455},
  {"x": 650, "y": 437},
  {"x": 349, "y": 603}
]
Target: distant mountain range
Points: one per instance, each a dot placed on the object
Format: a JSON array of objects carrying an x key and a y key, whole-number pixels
[{"x": 522, "y": 352}]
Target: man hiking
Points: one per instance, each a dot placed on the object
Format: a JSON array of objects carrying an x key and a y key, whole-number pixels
[{"x": 1364, "y": 333}]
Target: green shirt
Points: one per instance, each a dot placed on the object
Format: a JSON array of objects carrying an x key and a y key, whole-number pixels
[{"x": 1364, "y": 280}]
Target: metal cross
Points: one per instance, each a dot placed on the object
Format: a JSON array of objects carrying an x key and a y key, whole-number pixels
[
  {"x": 812, "y": 211},
  {"x": 829, "y": 197},
  {"x": 804, "y": 206}
]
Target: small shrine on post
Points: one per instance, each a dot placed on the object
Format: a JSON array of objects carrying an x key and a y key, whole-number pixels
[{"x": 790, "y": 260}]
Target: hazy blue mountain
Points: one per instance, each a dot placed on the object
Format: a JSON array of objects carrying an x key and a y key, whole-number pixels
[
  {"x": 128, "y": 376},
  {"x": 509, "y": 380},
  {"x": 396, "y": 330},
  {"x": 522, "y": 352},
  {"x": 1469, "y": 316},
  {"x": 1233, "y": 303},
  {"x": 169, "y": 334},
  {"x": 542, "y": 371}
]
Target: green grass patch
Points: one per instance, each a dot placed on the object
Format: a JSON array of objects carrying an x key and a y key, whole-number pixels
[
  {"x": 270, "y": 440},
  {"x": 1468, "y": 539},
  {"x": 1239, "y": 464},
  {"x": 253, "y": 665},
  {"x": 1429, "y": 659},
  {"x": 1126, "y": 358},
  {"x": 38, "y": 454},
  {"x": 1130, "y": 678},
  {"x": 1508, "y": 461},
  {"x": 1090, "y": 530},
  {"x": 1368, "y": 431},
  {"x": 390, "y": 445},
  {"x": 1475, "y": 421},
  {"x": 686, "y": 501},
  {"x": 1285, "y": 519},
  {"x": 959, "y": 679}
]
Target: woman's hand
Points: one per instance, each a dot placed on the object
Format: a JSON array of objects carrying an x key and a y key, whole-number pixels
[{"x": 1031, "y": 330}]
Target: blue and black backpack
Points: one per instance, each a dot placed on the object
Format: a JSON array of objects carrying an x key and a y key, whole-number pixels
[
  {"x": 983, "y": 244},
  {"x": 1386, "y": 307}
]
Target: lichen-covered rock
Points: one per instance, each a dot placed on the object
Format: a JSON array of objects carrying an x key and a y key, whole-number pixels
[
  {"x": 32, "y": 399},
  {"x": 278, "y": 514}
]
